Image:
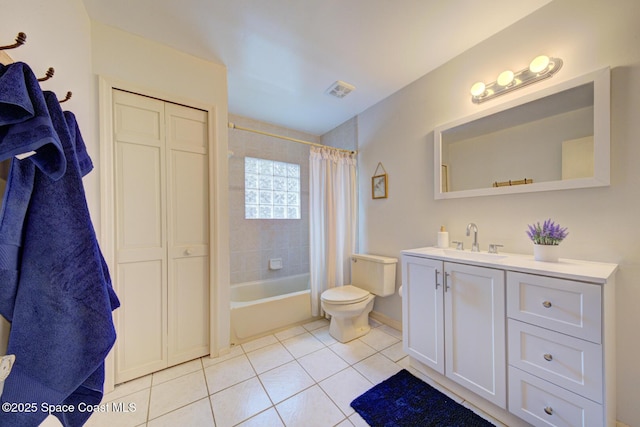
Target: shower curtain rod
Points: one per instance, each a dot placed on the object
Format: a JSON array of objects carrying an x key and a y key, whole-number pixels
[{"x": 300, "y": 141}]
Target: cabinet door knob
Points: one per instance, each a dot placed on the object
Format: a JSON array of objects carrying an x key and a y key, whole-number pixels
[
  {"x": 547, "y": 304},
  {"x": 548, "y": 357},
  {"x": 437, "y": 274},
  {"x": 446, "y": 281},
  {"x": 548, "y": 410},
  {"x": 188, "y": 251}
]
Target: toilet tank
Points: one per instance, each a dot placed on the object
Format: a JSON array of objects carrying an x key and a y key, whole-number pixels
[{"x": 374, "y": 273}]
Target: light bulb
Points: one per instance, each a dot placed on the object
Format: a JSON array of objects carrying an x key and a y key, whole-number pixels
[
  {"x": 477, "y": 89},
  {"x": 505, "y": 78},
  {"x": 539, "y": 64}
]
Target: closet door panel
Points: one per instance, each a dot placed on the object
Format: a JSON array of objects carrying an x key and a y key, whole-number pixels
[
  {"x": 139, "y": 198},
  {"x": 189, "y": 309},
  {"x": 187, "y": 128},
  {"x": 190, "y": 199},
  {"x": 138, "y": 119},
  {"x": 142, "y": 322},
  {"x": 141, "y": 238},
  {"x": 188, "y": 217}
]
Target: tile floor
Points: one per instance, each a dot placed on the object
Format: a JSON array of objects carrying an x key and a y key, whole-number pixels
[{"x": 300, "y": 377}]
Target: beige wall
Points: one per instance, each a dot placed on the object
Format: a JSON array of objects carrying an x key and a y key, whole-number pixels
[
  {"x": 254, "y": 241},
  {"x": 602, "y": 222}
]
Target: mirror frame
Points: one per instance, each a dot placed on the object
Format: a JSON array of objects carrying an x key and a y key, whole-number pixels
[{"x": 601, "y": 140}]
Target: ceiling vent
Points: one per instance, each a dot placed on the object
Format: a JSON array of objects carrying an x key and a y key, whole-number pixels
[{"x": 340, "y": 89}]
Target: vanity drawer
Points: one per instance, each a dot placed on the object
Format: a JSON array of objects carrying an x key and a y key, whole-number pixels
[
  {"x": 542, "y": 403},
  {"x": 566, "y": 361},
  {"x": 567, "y": 306}
]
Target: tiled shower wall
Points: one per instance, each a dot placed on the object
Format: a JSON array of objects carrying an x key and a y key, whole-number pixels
[{"x": 255, "y": 241}]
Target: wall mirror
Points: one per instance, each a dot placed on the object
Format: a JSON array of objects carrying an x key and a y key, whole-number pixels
[{"x": 553, "y": 139}]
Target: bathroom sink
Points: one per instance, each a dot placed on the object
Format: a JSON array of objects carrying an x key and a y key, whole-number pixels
[{"x": 473, "y": 256}]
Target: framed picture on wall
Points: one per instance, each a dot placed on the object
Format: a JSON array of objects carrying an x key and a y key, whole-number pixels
[{"x": 379, "y": 186}]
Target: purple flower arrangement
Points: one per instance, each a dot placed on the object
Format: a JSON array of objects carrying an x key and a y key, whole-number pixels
[{"x": 549, "y": 233}]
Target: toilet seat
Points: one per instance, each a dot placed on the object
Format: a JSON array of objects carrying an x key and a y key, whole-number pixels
[{"x": 348, "y": 294}]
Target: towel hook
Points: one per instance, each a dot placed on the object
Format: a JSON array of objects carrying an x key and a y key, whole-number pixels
[
  {"x": 66, "y": 98},
  {"x": 48, "y": 75},
  {"x": 20, "y": 40}
]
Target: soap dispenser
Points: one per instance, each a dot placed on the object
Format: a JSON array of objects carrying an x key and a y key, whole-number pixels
[{"x": 443, "y": 238}]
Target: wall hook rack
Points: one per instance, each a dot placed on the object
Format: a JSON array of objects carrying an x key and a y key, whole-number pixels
[
  {"x": 20, "y": 40},
  {"x": 48, "y": 75},
  {"x": 66, "y": 98}
]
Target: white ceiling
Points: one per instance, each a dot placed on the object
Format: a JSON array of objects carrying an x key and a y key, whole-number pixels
[{"x": 282, "y": 55}]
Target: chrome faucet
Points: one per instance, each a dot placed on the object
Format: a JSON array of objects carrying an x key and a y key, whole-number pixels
[{"x": 471, "y": 226}]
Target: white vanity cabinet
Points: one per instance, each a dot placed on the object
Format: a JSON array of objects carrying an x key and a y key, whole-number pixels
[
  {"x": 557, "y": 350},
  {"x": 455, "y": 323},
  {"x": 534, "y": 338}
]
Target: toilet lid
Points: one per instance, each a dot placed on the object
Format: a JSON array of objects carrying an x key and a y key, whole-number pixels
[{"x": 344, "y": 295}]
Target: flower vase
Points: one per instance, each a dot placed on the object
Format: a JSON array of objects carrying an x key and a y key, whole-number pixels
[{"x": 547, "y": 253}]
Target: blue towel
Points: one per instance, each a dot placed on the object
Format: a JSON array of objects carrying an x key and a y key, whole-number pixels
[
  {"x": 25, "y": 124},
  {"x": 84, "y": 161},
  {"x": 62, "y": 328}
]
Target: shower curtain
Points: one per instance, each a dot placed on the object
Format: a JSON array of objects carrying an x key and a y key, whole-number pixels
[{"x": 332, "y": 219}]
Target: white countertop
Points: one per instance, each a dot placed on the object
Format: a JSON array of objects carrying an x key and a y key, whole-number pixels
[{"x": 586, "y": 271}]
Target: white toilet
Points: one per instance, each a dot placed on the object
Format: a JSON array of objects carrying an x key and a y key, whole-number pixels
[{"x": 349, "y": 306}]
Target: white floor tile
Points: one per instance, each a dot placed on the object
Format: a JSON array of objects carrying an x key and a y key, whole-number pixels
[
  {"x": 176, "y": 393},
  {"x": 234, "y": 352},
  {"x": 322, "y": 364},
  {"x": 353, "y": 351},
  {"x": 127, "y": 388},
  {"x": 357, "y": 420},
  {"x": 197, "y": 414},
  {"x": 259, "y": 343},
  {"x": 176, "y": 371},
  {"x": 238, "y": 403},
  {"x": 374, "y": 323},
  {"x": 285, "y": 381},
  {"x": 345, "y": 386},
  {"x": 268, "y": 418},
  {"x": 324, "y": 336},
  {"x": 378, "y": 339},
  {"x": 51, "y": 421},
  {"x": 377, "y": 368},
  {"x": 395, "y": 353},
  {"x": 302, "y": 345},
  {"x": 311, "y": 378},
  {"x": 311, "y": 408},
  {"x": 312, "y": 326},
  {"x": 269, "y": 357},
  {"x": 391, "y": 331},
  {"x": 228, "y": 373},
  {"x": 136, "y": 405},
  {"x": 291, "y": 332}
]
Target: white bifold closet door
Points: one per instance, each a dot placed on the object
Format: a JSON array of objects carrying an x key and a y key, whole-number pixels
[{"x": 162, "y": 228}]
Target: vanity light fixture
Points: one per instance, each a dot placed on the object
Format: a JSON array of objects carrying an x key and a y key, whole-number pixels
[{"x": 540, "y": 68}]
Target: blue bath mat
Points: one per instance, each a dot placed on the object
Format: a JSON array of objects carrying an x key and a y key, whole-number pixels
[{"x": 406, "y": 401}]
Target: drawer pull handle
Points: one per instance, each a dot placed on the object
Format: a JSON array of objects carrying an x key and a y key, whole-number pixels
[
  {"x": 548, "y": 357},
  {"x": 547, "y": 304},
  {"x": 548, "y": 410}
]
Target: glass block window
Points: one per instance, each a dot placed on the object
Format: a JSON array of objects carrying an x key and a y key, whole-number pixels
[{"x": 271, "y": 189}]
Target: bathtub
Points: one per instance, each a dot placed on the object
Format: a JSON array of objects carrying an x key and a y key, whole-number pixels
[{"x": 267, "y": 305}]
